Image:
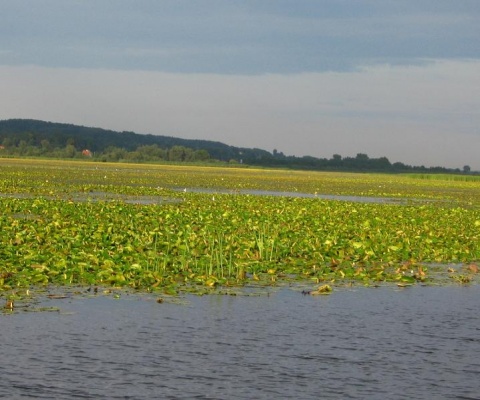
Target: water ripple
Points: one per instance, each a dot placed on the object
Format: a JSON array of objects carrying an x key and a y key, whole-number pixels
[{"x": 376, "y": 344}]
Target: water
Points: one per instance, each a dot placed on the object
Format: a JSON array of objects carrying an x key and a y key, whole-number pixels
[
  {"x": 413, "y": 343},
  {"x": 145, "y": 200},
  {"x": 357, "y": 199}
]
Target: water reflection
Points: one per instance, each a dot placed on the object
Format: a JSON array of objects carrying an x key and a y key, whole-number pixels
[{"x": 364, "y": 343}]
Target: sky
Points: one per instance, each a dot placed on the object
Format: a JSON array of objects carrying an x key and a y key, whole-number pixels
[{"x": 390, "y": 78}]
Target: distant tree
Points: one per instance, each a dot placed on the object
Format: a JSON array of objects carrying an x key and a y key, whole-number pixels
[
  {"x": 362, "y": 157},
  {"x": 399, "y": 166},
  {"x": 151, "y": 152},
  {"x": 177, "y": 153},
  {"x": 381, "y": 163},
  {"x": 113, "y": 153},
  {"x": 466, "y": 169},
  {"x": 277, "y": 154},
  {"x": 22, "y": 147},
  {"x": 69, "y": 151},
  {"x": 45, "y": 146},
  {"x": 8, "y": 142},
  {"x": 201, "y": 155},
  {"x": 336, "y": 161}
]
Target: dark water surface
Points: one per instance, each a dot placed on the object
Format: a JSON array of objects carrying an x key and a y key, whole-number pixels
[{"x": 414, "y": 343}]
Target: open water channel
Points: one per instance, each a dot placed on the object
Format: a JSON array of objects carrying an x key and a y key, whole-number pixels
[{"x": 357, "y": 343}]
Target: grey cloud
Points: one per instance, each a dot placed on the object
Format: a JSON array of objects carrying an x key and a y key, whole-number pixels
[{"x": 236, "y": 37}]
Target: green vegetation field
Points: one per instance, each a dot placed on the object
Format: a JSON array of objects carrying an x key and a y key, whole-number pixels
[{"x": 146, "y": 227}]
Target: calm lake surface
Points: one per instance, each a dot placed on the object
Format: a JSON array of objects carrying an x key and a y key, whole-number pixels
[{"x": 360, "y": 343}]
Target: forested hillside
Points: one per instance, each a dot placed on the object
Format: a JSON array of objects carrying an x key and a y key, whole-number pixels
[
  {"x": 30, "y": 135},
  {"x": 33, "y": 138}
]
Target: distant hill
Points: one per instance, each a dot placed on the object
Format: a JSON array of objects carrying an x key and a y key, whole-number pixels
[
  {"x": 33, "y": 138},
  {"x": 98, "y": 140}
]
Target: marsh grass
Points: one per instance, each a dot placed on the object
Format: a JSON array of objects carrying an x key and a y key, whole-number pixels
[{"x": 445, "y": 177}]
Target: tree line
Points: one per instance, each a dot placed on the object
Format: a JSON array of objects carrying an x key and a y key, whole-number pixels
[
  {"x": 360, "y": 163},
  {"x": 33, "y": 138},
  {"x": 145, "y": 153}
]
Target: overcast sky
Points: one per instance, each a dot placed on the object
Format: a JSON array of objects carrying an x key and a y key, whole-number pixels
[{"x": 394, "y": 78}]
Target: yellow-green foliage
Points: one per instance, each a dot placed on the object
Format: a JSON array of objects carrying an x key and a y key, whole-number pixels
[{"x": 126, "y": 225}]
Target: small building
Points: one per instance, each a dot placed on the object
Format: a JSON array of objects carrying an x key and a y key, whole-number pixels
[{"x": 86, "y": 153}]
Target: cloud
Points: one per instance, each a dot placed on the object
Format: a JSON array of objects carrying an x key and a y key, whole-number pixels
[{"x": 231, "y": 37}]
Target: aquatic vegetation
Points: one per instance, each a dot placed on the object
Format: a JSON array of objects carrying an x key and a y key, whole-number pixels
[
  {"x": 9, "y": 304},
  {"x": 321, "y": 290},
  {"x": 199, "y": 242}
]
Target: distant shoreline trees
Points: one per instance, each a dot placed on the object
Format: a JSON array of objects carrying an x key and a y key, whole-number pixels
[
  {"x": 32, "y": 138},
  {"x": 146, "y": 153}
]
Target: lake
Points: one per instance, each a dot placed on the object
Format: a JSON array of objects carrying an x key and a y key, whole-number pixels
[{"x": 358, "y": 343}]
